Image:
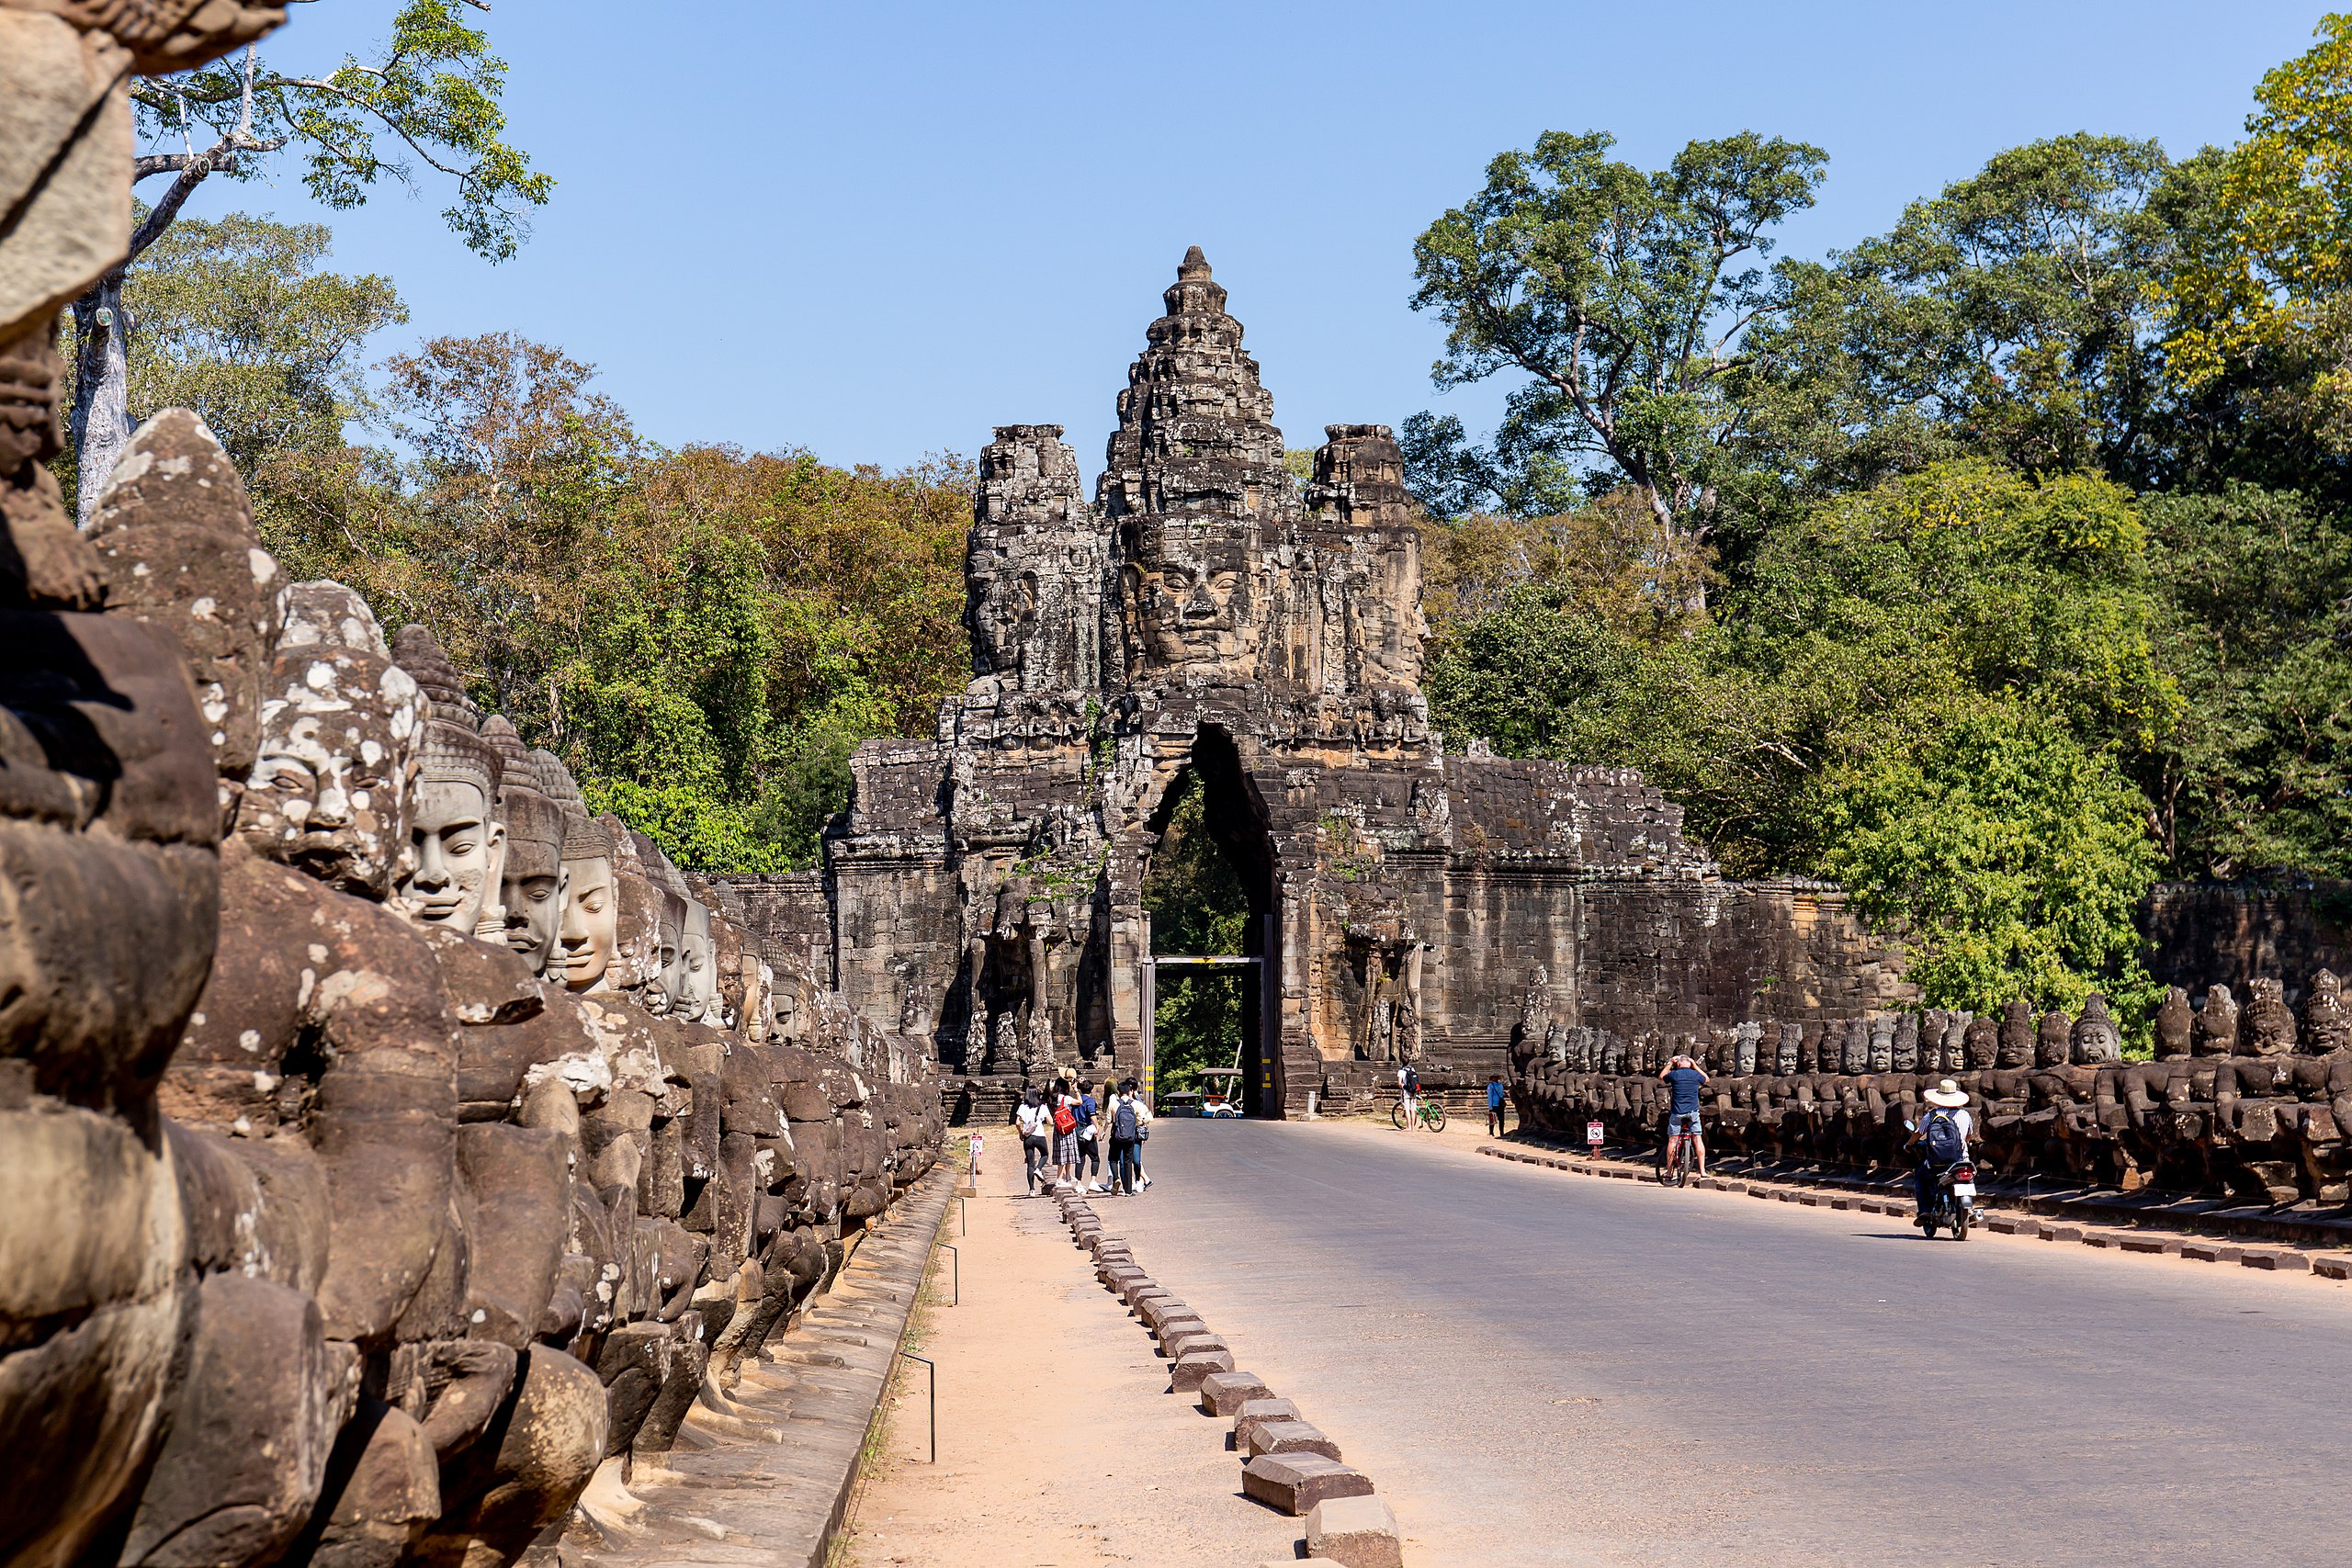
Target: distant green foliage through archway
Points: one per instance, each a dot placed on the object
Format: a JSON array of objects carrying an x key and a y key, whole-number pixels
[{"x": 1198, "y": 905}]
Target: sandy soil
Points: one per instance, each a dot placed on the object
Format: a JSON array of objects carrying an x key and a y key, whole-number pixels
[{"x": 1059, "y": 1442}]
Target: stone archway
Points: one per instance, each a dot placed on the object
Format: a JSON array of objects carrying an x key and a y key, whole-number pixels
[{"x": 1234, "y": 819}]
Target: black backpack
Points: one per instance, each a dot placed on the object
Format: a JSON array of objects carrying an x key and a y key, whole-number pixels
[
  {"x": 1942, "y": 1134},
  {"x": 1123, "y": 1122}
]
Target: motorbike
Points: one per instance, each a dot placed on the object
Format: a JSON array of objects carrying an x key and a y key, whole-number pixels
[{"x": 1951, "y": 1200}]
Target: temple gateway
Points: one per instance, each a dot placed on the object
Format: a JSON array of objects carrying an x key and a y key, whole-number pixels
[{"x": 1206, "y": 616}]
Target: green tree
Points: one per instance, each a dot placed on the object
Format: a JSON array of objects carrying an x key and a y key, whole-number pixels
[
  {"x": 2009, "y": 317},
  {"x": 240, "y": 322},
  {"x": 430, "y": 97},
  {"x": 1887, "y": 649},
  {"x": 2254, "y": 626},
  {"x": 1623, "y": 296},
  {"x": 2265, "y": 278},
  {"x": 2011, "y": 857}
]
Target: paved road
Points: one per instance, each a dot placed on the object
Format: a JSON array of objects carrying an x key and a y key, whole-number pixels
[{"x": 1539, "y": 1368}]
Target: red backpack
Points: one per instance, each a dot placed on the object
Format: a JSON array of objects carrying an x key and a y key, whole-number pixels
[{"x": 1065, "y": 1123}]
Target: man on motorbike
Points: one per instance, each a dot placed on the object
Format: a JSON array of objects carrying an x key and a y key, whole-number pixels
[{"x": 1941, "y": 1138}]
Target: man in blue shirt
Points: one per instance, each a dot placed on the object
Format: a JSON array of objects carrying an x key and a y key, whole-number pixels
[
  {"x": 1684, "y": 1078},
  {"x": 1495, "y": 1105}
]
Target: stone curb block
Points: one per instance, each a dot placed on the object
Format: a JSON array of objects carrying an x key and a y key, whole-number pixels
[
  {"x": 1225, "y": 1392},
  {"x": 1356, "y": 1532},
  {"x": 2211, "y": 1252},
  {"x": 1183, "y": 1345},
  {"x": 1290, "y": 1438},
  {"x": 2157, "y": 1244},
  {"x": 1186, "y": 1376},
  {"x": 1296, "y": 1482},
  {"x": 2059, "y": 1233},
  {"x": 1256, "y": 1413},
  {"x": 2283, "y": 1262}
]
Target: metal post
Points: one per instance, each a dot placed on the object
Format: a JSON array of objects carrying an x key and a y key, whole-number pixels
[
  {"x": 935, "y": 1402},
  {"x": 956, "y": 1264},
  {"x": 964, "y": 1213}
]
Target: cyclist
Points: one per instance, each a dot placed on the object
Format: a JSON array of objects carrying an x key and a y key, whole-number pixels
[
  {"x": 1409, "y": 1089},
  {"x": 1941, "y": 1138},
  {"x": 1684, "y": 1078}
]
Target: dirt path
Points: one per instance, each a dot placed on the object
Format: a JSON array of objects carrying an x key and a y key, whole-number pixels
[{"x": 1058, "y": 1444}]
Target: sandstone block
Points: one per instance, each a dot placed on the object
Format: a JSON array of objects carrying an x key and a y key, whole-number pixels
[
  {"x": 1178, "y": 1328},
  {"x": 1295, "y": 1484},
  {"x": 2158, "y": 1244},
  {"x": 1185, "y": 1376},
  {"x": 2282, "y": 1261},
  {"x": 1290, "y": 1438},
  {"x": 2059, "y": 1233},
  {"x": 1255, "y": 1413},
  {"x": 1359, "y": 1532},
  {"x": 2333, "y": 1266},
  {"x": 1176, "y": 1347},
  {"x": 2211, "y": 1252},
  {"x": 1224, "y": 1392}
]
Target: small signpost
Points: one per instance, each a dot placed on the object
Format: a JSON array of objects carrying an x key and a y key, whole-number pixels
[{"x": 1592, "y": 1136}]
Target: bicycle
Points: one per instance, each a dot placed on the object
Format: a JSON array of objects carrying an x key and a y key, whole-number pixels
[
  {"x": 1427, "y": 1110},
  {"x": 1674, "y": 1165}
]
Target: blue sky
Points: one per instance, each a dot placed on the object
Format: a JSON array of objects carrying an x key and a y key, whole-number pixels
[{"x": 875, "y": 231}]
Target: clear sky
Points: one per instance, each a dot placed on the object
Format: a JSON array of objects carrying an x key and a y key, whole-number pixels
[{"x": 878, "y": 229}]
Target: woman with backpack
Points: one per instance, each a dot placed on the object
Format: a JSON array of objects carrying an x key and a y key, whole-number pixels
[
  {"x": 1036, "y": 1124},
  {"x": 1130, "y": 1124}
]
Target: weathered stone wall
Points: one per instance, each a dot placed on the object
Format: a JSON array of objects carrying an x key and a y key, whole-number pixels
[{"x": 2205, "y": 934}]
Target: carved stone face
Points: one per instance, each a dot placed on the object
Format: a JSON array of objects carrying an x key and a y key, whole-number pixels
[
  {"x": 457, "y": 848},
  {"x": 329, "y": 792},
  {"x": 1192, "y": 598},
  {"x": 589, "y": 932},
  {"x": 534, "y": 903},
  {"x": 697, "y": 967}
]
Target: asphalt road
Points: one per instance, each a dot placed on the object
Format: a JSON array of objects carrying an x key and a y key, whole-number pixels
[{"x": 1537, "y": 1368}]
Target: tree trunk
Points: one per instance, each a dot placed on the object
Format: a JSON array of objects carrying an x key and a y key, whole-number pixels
[{"x": 101, "y": 421}]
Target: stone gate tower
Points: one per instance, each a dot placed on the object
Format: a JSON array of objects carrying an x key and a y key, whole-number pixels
[{"x": 1206, "y": 615}]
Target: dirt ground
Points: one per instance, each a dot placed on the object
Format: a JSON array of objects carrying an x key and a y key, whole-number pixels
[{"x": 1058, "y": 1444}]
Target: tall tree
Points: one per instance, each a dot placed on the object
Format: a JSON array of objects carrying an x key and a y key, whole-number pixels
[
  {"x": 429, "y": 97},
  {"x": 239, "y": 320},
  {"x": 1624, "y": 296},
  {"x": 2266, "y": 274},
  {"x": 2009, "y": 317}
]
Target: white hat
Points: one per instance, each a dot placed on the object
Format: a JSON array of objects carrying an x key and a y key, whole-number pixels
[{"x": 1947, "y": 1094}]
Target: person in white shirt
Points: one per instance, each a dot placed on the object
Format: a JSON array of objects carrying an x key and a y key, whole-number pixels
[{"x": 1036, "y": 1125}]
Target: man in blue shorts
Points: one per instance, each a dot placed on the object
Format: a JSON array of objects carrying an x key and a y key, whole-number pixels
[{"x": 1683, "y": 1077}]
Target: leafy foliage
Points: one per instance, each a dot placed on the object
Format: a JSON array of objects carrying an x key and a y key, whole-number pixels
[
  {"x": 1197, "y": 905},
  {"x": 1621, "y": 294},
  {"x": 431, "y": 97},
  {"x": 1919, "y": 685}
]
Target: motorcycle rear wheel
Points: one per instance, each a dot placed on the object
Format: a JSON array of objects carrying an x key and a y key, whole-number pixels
[{"x": 1959, "y": 1225}]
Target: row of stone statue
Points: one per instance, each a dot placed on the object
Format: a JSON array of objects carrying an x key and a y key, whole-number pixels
[
  {"x": 404, "y": 1154},
  {"x": 2238, "y": 1099}
]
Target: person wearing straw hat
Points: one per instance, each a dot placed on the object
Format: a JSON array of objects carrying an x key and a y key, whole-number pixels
[{"x": 1941, "y": 1137}]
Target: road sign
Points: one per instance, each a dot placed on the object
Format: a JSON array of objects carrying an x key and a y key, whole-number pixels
[{"x": 1592, "y": 1134}]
